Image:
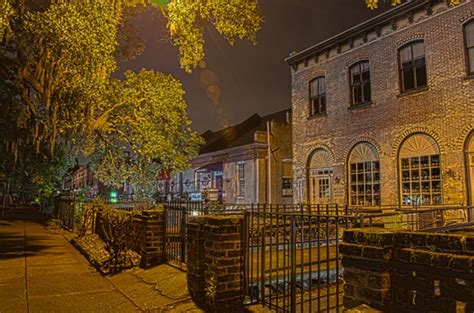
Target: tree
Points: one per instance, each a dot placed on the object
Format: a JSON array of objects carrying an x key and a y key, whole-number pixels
[{"x": 58, "y": 59}]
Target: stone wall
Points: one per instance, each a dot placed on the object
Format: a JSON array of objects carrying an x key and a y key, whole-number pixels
[
  {"x": 214, "y": 251},
  {"x": 408, "y": 271}
]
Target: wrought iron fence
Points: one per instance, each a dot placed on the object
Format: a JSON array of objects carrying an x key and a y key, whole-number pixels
[{"x": 292, "y": 261}]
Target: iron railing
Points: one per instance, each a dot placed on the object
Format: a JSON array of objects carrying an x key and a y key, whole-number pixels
[{"x": 292, "y": 261}]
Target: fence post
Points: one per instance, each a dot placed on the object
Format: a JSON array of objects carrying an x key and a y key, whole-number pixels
[
  {"x": 245, "y": 249},
  {"x": 165, "y": 230},
  {"x": 183, "y": 235},
  {"x": 262, "y": 266},
  {"x": 293, "y": 265}
]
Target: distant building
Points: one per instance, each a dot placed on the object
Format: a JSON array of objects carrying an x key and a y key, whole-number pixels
[
  {"x": 81, "y": 178},
  {"x": 246, "y": 163},
  {"x": 383, "y": 113}
]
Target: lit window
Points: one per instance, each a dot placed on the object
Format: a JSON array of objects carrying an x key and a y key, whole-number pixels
[
  {"x": 364, "y": 175},
  {"x": 469, "y": 39},
  {"x": 420, "y": 172},
  {"x": 360, "y": 82},
  {"x": 317, "y": 96},
  {"x": 412, "y": 66},
  {"x": 241, "y": 177}
]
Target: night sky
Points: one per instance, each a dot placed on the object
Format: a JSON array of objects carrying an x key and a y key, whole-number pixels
[{"x": 238, "y": 81}]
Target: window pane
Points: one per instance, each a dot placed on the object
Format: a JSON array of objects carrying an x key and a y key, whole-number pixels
[
  {"x": 408, "y": 81},
  {"x": 314, "y": 88},
  {"x": 356, "y": 79},
  {"x": 469, "y": 29},
  {"x": 313, "y": 109},
  {"x": 355, "y": 70},
  {"x": 323, "y": 104},
  {"x": 367, "y": 95},
  {"x": 405, "y": 54},
  {"x": 421, "y": 75},
  {"x": 357, "y": 93},
  {"x": 364, "y": 66},
  {"x": 418, "y": 50},
  {"x": 322, "y": 86},
  {"x": 366, "y": 75},
  {"x": 470, "y": 53}
]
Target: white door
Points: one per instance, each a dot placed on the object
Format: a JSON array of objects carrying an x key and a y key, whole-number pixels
[{"x": 320, "y": 187}]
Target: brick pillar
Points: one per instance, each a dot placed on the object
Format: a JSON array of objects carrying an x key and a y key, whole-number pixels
[
  {"x": 366, "y": 257},
  {"x": 195, "y": 259},
  {"x": 152, "y": 252},
  {"x": 215, "y": 262}
]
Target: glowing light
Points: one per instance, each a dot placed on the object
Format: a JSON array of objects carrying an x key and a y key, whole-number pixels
[
  {"x": 113, "y": 197},
  {"x": 214, "y": 93}
]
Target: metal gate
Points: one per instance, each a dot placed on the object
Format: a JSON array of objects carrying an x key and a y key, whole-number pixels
[
  {"x": 176, "y": 217},
  {"x": 292, "y": 261}
]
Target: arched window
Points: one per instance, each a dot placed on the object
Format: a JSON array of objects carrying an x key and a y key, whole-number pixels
[
  {"x": 469, "y": 150},
  {"x": 364, "y": 175},
  {"x": 412, "y": 66},
  {"x": 360, "y": 83},
  {"x": 469, "y": 41},
  {"x": 317, "y": 96},
  {"x": 420, "y": 171},
  {"x": 320, "y": 177}
]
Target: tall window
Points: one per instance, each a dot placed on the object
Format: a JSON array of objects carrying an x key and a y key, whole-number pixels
[
  {"x": 412, "y": 66},
  {"x": 364, "y": 175},
  {"x": 469, "y": 39},
  {"x": 420, "y": 171},
  {"x": 317, "y": 94},
  {"x": 241, "y": 177},
  {"x": 360, "y": 82}
]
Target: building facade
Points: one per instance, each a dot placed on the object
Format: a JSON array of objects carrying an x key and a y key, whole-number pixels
[
  {"x": 246, "y": 163},
  {"x": 383, "y": 113}
]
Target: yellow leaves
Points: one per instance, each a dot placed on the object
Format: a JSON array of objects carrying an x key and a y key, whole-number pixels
[
  {"x": 6, "y": 10},
  {"x": 454, "y": 2},
  {"x": 187, "y": 20}
]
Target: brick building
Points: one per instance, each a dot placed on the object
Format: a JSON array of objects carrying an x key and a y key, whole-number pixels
[
  {"x": 233, "y": 165},
  {"x": 383, "y": 113}
]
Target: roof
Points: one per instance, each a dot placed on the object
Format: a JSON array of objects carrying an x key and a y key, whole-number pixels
[
  {"x": 240, "y": 134},
  {"x": 369, "y": 25}
]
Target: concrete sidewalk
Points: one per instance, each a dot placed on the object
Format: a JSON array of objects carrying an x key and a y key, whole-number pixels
[{"x": 42, "y": 272}]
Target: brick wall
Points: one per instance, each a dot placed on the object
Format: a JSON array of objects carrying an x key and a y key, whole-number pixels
[
  {"x": 214, "y": 251},
  {"x": 444, "y": 111},
  {"x": 408, "y": 271},
  {"x": 143, "y": 233}
]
